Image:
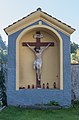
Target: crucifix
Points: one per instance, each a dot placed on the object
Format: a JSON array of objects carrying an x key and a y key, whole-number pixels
[{"x": 38, "y": 52}]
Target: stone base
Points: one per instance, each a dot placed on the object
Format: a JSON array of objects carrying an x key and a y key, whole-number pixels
[{"x": 42, "y": 107}]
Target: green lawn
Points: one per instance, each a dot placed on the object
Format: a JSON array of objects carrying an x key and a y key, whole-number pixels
[{"x": 15, "y": 113}]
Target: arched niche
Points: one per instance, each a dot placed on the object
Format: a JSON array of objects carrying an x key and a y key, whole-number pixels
[{"x": 52, "y": 70}]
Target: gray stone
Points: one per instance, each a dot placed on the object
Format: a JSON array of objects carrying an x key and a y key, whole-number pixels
[{"x": 75, "y": 81}]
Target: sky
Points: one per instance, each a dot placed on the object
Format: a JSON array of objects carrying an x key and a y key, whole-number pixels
[{"x": 65, "y": 10}]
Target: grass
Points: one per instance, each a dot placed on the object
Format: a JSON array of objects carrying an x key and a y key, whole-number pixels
[{"x": 16, "y": 113}]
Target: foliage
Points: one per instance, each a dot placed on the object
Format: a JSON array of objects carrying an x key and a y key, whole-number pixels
[
  {"x": 3, "y": 51},
  {"x": 74, "y": 53},
  {"x": 1, "y": 104},
  {"x": 73, "y": 56},
  {"x": 77, "y": 58},
  {"x": 53, "y": 103},
  {"x": 75, "y": 105},
  {"x": 2, "y": 86},
  {"x": 3, "y": 64},
  {"x": 2, "y": 44},
  {"x": 74, "y": 47}
]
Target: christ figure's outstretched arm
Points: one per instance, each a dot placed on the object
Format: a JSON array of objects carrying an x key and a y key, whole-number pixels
[
  {"x": 43, "y": 49},
  {"x": 30, "y": 47}
]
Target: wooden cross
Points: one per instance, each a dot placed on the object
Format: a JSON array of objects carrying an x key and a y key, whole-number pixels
[{"x": 37, "y": 45}]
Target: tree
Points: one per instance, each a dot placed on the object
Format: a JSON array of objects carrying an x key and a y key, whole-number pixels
[
  {"x": 3, "y": 62},
  {"x": 77, "y": 58},
  {"x": 74, "y": 47},
  {"x": 3, "y": 50},
  {"x": 3, "y": 97}
]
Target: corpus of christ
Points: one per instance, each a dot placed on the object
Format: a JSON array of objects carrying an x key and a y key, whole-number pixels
[{"x": 38, "y": 53}]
